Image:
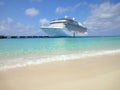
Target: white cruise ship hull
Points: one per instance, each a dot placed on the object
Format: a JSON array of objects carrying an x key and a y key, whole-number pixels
[{"x": 61, "y": 32}]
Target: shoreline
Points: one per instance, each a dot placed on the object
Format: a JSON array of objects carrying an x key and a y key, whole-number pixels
[
  {"x": 91, "y": 73},
  {"x": 57, "y": 58}
]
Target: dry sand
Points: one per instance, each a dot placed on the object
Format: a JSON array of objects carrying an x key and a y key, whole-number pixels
[{"x": 93, "y": 73}]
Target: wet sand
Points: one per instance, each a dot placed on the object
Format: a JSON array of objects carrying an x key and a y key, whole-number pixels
[{"x": 92, "y": 73}]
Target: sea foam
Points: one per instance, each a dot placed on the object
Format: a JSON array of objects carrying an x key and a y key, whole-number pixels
[{"x": 74, "y": 56}]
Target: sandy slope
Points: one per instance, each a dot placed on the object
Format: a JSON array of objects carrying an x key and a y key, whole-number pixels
[{"x": 93, "y": 73}]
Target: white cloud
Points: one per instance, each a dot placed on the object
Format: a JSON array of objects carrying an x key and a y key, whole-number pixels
[
  {"x": 32, "y": 12},
  {"x": 44, "y": 22},
  {"x": 9, "y": 20},
  {"x": 104, "y": 17},
  {"x": 60, "y": 10},
  {"x": 10, "y": 27}
]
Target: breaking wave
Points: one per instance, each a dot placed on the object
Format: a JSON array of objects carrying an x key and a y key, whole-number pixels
[{"x": 26, "y": 62}]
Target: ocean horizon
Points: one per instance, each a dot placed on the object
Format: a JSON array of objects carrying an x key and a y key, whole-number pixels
[{"x": 19, "y": 52}]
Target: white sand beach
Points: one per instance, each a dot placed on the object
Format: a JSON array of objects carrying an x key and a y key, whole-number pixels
[{"x": 92, "y": 73}]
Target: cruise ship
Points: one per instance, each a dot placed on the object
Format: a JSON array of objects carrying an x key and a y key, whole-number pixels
[{"x": 64, "y": 27}]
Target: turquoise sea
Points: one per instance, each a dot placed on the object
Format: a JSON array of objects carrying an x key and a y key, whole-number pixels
[{"x": 29, "y": 51}]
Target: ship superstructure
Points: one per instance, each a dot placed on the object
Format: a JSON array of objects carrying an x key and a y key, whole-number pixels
[{"x": 64, "y": 27}]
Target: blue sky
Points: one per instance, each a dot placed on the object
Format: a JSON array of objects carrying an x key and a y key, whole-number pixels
[{"x": 24, "y": 17}]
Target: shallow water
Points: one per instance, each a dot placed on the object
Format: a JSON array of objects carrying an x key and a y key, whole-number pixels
[{"x": 28, "y": 51}]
